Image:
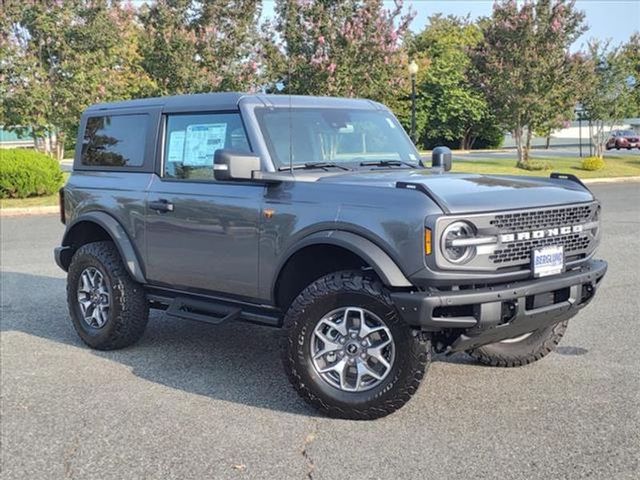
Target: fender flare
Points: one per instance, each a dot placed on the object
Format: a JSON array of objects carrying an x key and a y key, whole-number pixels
[
  {"x": 118, "y": 235},
  {"x": 384, "y": 266}
]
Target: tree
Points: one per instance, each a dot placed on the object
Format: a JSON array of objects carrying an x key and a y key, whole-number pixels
[
  {"x": 455, "y": 109},
  {"x": 337, "y": 47},
  {"x": 609, "y": 89},
  {"x": 525, "y": 68},
  {"x": 60, "y": 57},
  {"x": 193, "y": 46},
  {"x": 631, "y": 57}
]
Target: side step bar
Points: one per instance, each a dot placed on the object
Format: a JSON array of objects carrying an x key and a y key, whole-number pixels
[
  {"x": 191, "y": 309},
  {"x": 213, "y": 310}
]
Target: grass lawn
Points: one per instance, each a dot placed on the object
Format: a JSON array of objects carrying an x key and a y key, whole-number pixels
[
  {"x": 615, "y": 166},
  {"x": 29, "y": 202}
]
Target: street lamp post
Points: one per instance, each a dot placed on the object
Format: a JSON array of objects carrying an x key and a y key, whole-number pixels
[{"x": 413, "y": 70}]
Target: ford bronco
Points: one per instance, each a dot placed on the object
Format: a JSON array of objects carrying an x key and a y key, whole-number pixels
[{"x": 318, "y": 215}]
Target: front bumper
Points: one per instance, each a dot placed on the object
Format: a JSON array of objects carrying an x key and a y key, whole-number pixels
[{"x": 491, "y": 314}]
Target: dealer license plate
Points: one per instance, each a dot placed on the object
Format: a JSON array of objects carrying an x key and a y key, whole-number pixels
[{"x": 547, "y": 261}]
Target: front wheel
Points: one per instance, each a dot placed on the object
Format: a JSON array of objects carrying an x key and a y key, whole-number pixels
[
  {"x": 521, "y": 350},
  {"x": 346, "y": 350}
]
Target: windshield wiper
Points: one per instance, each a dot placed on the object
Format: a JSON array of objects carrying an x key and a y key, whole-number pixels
[
  {"x": 388, "y": 163},
  {"x": 311, "y": 165}
]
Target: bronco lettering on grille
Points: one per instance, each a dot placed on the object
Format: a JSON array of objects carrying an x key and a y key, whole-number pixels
[{"x": 546, "y": 233}]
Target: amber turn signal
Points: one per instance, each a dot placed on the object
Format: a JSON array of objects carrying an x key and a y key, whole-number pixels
[{"x": 427, "y": 241}]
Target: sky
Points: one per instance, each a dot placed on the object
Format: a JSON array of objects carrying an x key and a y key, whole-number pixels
[{"x": 607, "y": 19}]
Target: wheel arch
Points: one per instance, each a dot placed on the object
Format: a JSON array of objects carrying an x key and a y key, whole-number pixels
[
  {"x": 97, "y": 226},
  {"x": 325, "y": 252}
]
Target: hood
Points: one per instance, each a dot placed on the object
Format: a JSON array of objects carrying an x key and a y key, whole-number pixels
[{"x": 472, "y": 193}]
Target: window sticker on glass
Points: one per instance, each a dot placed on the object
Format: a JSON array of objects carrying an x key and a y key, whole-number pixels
[
  {"x": 176, "y": 147},
  {"x": 202, "y": 141}
]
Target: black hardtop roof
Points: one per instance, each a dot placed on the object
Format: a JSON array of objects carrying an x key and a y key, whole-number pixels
[{"x": 229, "y": 101}]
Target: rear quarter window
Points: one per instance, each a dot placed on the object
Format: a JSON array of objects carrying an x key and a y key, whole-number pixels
[{"x": 115, "y": 140}]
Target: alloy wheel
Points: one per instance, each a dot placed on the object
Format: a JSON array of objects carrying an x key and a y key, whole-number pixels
[
  {"x": 94, "y": 297},
  {"x": 352, "y": 349}
]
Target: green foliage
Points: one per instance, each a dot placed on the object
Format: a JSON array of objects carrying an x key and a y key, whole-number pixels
[
  {"x": 530, "y": 79},
  {"x": 593, "y": 163},
  {"x": 191, "y": 46},
  {"x": 607, "y": 95},
  {"x": 631, "y": 58},
  {"x": 456, "y": 110},
  {"x": 534, "y": 165},
  {"x": 27, "y": 173},
  {"x": 511, "y": 71},
  {"x": 490, "y": 136},
  {"x": 58, "y": 58},
  {"x": 349, "y": 48}
]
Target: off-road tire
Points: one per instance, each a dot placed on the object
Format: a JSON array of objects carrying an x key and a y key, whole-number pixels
[
  {"x": 531, "y": 349},
  {"x": 129, "y": 311},
  {"x": 359, "y": 289}
]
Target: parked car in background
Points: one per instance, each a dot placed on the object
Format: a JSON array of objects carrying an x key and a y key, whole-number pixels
[{"x": 623, "y": 139}]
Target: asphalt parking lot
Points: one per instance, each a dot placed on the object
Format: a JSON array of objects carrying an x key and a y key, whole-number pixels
[{"x": 197, "y": 401}]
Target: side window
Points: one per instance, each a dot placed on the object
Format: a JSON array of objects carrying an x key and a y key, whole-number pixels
[
  {"x": 192, "y": 140},
  {"x": 115, "y": 141}
]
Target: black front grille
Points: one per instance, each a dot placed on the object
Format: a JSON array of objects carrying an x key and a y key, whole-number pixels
[
  {"x": 574, "y": 244},
  {"x": 536, "y": 219}
]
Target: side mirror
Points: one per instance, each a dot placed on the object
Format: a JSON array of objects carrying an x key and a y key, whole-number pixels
[
  {"x": 234, "y": 165},
  {"x": 441, "y": 157}
]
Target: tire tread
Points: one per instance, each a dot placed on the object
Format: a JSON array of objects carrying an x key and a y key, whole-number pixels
[
  {"x": 132, "y": 313},
  {"x": 355, "y": 282}
]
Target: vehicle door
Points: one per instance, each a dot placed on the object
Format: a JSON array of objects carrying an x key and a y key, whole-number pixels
[{"x": 202, "y": 234}]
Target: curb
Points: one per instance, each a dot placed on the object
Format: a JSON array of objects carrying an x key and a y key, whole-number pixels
[
  {"x": 611, "y": 180},
  {"x": 16, "y": 212}
]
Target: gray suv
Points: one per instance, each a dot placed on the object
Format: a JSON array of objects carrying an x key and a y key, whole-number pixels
[{"x": 317, "y": 215}]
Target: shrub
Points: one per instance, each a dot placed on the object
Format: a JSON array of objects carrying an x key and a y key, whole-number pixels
[
  {"x": 593, "y": 163},
  {"x": 534, "y": 165},
  {"x": 27, "y": 173}
]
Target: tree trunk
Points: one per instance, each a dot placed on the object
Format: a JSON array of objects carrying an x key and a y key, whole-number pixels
[
  {"x": 523, "y": 150},
  {"x": 465, "y": 143},
  {"x": 60, "y": 146},
  {"x": 517, "y": 136},
  {"x": 548, "y": 142},
  {"x": 527, "y": 147},
  {"x": 597, "y": 138}
]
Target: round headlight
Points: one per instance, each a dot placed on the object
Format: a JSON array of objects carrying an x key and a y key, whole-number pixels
[{"x": 458, "y": 253}]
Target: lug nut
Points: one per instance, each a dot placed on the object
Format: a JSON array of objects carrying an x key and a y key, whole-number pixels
[
  {"x": 363, "y": 355},
  {"x": 353, "y": 335}
]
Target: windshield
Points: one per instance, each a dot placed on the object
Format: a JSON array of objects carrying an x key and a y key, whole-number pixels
[{"x": 337, "y": 136}]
